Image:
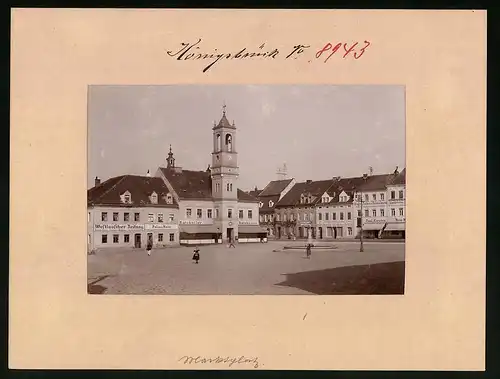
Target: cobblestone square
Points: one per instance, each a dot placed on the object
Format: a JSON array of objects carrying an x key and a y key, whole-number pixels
[{"x": 254, "y": 268}]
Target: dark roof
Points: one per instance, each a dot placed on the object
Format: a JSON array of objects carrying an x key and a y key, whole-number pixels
[
  {"x": 376, "y": 182},
  {"x": 315, "y": 188},
  {"x": 224, "y": 123},
  {"x": 196, "y": 185},
  {"x": 243, "y": 196},
  {"x": 265, "y": 202},
  {"x": 189, "y": 184},
  {"x": 140, "y": 188},
  {"x": 276, "y": 187},
  {"x": 255, "y": 193},
  {"x": 400, "y": 178},
  {"x": 347, "y": 185}
]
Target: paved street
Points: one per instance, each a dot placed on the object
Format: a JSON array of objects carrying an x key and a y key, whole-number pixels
[{"x": 250, "y": 269}]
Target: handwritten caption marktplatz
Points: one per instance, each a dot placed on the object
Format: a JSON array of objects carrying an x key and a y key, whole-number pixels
[
  {"x": 230, "y": 361},
  {"x": 344, "y": 50}
]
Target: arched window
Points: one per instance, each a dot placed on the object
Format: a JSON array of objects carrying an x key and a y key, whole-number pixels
[
  {"x": 229, "y": 142},
  {"x": 231, "y": 187},
  {"x": 217, "y": 144}
]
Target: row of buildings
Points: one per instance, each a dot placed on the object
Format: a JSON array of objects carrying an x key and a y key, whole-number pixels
[
  {"x": 335, "y": 208},
  {"x": 177, "y": 206}
]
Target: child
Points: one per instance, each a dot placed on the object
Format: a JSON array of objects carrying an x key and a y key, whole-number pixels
[
  {"x": 149, "y": 247},
  {"x": 196, "y": 255}
]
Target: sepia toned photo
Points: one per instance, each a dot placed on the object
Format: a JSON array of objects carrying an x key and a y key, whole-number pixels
[{"x": 246, "y": 190}]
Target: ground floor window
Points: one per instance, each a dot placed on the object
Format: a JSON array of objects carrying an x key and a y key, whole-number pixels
[
  {"x": 104, "y": 238},
  {"x": 160, "y": 237},
  {"x": 115, "y": 238},
  {"x": 126, "y": 238},
  {"x": 171, "y": 237}
]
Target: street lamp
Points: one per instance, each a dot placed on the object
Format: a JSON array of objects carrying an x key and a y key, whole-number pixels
[{"x": 361, "y": 248}]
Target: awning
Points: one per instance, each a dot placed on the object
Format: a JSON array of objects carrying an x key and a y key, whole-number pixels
[
  {"x": 195, "y": 229},
  {"x": 251, "y": 229},
  {"x": 373, "y": 226},
  {"x": 395, "y": 226}
]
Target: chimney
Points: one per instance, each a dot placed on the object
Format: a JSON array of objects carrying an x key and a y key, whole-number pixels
[
  {"x": 148, "y": 174},
  {"x": 256, "y": 188},
  {"x": 97, "y": 181},
  {"x": 308, "y": 181}
]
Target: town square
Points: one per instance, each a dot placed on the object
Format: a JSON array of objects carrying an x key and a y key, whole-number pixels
[{"x": 251, "y": 269}]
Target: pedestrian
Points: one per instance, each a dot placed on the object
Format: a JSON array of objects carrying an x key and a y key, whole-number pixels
[
  {"x": 149, "y": 246},
  {"x": 196, "y": 255},
  {"x": 231, "y": 243},
  {"x": 308, "y": 251}
]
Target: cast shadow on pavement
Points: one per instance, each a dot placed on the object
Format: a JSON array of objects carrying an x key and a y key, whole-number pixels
[
  {"x": 96, "y": 289},
  {"x": 375, "y": 279}
]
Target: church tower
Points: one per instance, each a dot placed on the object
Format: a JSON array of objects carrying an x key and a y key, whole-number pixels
[
  {"x": 170, "y": 159},
  {"x": 225, "y": 174}
]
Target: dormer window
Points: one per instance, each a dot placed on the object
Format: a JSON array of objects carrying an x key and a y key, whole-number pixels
[
  {"x": 154, "y": 198},
  {"x": 126, "y": 198},
  {"x": 261, "y": 204},
  {"x": 271, "y": 203},
  {"x": 169, "y": 199}
]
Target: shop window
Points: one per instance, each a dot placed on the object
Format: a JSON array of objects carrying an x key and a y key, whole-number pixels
[
  {"x": 116, "y": 238},
  {"x": 126, "y": 238},
  {"x": 171, "y": 237},
  {"x": 160, "y": 237},
  {"x": 104, "y": 238}
]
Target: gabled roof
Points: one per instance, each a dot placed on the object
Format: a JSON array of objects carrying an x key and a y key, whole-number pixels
[
  {"x": 347, "y": 185},
  {"x": 315, "y": 188},
  {"x": 275, "y": 187},
  {"x": 196, "y": 185},
  {"x": 140, "y": 188}
]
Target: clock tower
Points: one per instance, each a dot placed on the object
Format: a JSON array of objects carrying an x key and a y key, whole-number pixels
[{"x": 225, "y": 172}]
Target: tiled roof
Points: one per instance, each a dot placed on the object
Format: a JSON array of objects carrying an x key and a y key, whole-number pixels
[
  {"x": 189, "y": 184},
  {"x": 315, "y": 188},
  {"x": 376, "y": 182},
  {"x": 243, "y": 196},
  {"x": 140, "y": 188},
  {"x": 400, "y": 179},
  {"x": 255, "y": 193},
  {"x": 347, "y": 185},
  {"x": 276, "y": 187},
  {"x": 196, "y": 185},
  {"x": 265, "y": 202}
]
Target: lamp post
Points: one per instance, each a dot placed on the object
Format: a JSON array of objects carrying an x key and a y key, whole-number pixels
[{"x": 361, "y": 248}]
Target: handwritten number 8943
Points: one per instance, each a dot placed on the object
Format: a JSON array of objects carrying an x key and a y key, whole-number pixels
[{"x": 356, "y": 50}]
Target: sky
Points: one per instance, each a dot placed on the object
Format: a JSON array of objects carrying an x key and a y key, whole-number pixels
[{"x": 319, "y": 131}]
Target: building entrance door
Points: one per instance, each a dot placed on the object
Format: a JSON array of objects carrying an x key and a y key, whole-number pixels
[
  {"x": 320, "y": 233},
  {"x": 230, "y": 234},
  {"x": 279, "y": 232},
  {"x": 137, "y": 240}
]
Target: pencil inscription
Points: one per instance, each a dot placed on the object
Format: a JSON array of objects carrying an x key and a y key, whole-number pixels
[{"x": 230, "y": 361}]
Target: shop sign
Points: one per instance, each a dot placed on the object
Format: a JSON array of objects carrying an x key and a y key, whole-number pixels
[
  {"x": 375, "y": 221},
  {"x": 248, "y": 223},
  {"x": 132, "y": 227},
  {"x": 195, "y": 222}
]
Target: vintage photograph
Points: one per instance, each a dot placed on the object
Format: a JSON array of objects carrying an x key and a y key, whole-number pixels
[{"x": 246, "y": 190}]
